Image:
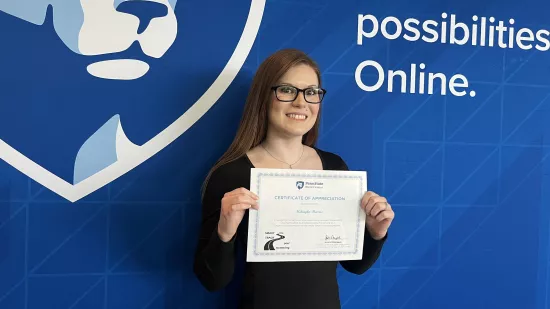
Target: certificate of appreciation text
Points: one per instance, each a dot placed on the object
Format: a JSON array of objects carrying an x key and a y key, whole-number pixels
[{"x": 306, "y": 215}]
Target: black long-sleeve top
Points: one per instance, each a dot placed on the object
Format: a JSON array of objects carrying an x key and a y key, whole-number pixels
[{"x": 280, "y": 285}]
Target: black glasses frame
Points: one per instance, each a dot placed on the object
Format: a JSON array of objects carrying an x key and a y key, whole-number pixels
[{"x": 298, "y": 90}]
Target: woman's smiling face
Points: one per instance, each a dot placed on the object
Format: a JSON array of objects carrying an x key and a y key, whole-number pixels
[{"x": 295, "y": 117}]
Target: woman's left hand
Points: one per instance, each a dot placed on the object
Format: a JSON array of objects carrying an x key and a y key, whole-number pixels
[{"x": 379, "y": 214}]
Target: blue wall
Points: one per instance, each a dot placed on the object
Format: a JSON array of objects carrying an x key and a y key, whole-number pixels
[{"x": 468, "y": 176}]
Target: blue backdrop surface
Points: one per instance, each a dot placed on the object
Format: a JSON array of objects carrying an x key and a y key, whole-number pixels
[{"x": 467, "y": 175}]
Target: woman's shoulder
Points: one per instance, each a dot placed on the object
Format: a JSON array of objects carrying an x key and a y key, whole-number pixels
[
  {"x": 227, "y": 177},
  {"x": 331, "y": 160},
  {"x": 234, "y": 167}
]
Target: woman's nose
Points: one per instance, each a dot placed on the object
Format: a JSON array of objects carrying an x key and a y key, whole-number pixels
[
  {"x": 300, "y": 101},
  {"x": 144, "y": 10}
]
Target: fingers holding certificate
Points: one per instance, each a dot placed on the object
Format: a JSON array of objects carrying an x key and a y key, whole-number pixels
[
  {"x": 234, "y": 205},
  {"x": 379, "y": 214},
  {"x": 307, "y": 215}
]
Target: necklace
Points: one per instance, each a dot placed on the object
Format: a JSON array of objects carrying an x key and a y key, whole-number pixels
[{"x": 289, "y": 165}]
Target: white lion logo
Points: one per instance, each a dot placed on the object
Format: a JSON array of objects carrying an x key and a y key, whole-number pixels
[
  {"x": 108, "y": 28},
  {"x": 99, "y": 27}
]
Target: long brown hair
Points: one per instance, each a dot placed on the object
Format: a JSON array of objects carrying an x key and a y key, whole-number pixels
[{"x": 253, "y": 125}]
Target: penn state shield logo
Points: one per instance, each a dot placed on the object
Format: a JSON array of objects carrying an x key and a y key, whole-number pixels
[
  {"x": 299, "y": 185},
  {"x": 93, "y": 88}
]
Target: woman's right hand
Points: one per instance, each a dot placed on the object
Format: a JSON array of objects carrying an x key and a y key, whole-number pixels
[{"x": 233, "y": 208}]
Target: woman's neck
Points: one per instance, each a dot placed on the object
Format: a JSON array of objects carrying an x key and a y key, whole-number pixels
[{"x": 283, "y": 148}]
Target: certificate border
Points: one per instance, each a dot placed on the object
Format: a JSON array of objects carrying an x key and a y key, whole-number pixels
[{"x": 320, "y": 174}]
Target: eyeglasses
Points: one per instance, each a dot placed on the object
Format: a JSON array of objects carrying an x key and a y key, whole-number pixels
[{"x": 287, "y": 93}]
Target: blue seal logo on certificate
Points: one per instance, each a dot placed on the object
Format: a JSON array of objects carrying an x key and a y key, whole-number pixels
[{"x": 306, "y": 215}]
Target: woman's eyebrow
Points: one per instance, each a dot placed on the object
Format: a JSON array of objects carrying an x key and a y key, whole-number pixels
[{"x": 291, "y": 84}]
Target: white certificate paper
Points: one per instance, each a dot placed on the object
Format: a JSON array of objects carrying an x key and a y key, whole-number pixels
[{"x": 306, "y": 215}]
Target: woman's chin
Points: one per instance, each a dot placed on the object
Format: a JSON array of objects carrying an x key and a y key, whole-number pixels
[
  {"x": 296, "y": 131},
  {"x": 292, "y": 129}
]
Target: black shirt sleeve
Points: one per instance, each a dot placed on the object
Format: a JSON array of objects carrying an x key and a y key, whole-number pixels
[
  {"x": 214, "y": 259},
  {"x": 371, "y": 247}
]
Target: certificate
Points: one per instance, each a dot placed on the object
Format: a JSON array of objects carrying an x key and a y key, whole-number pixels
[{"x": 306, "y": 215}]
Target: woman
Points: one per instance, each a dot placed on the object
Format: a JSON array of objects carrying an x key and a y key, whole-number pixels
[{"x": 279, "y": 129}]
